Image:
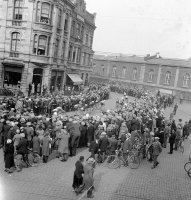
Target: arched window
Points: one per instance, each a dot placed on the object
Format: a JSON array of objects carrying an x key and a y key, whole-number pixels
[
  {"x": 15, "y": 39},
  {"x": 43, "y": 13},
  {"x": 167, "y": 78},
  {"x": 114, "y": 71},
  {"x": 151, "y": 73},
  {"x": 186, "y": 80},
  {"x": 40, "y": 45},
  {"x": 134, "y": 74},
  {"x": 18, "y": 6},
  {"x": 124, "y": 72}
]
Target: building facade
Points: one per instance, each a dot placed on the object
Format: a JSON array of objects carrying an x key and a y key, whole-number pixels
[
  {"x": 170, "y": 76},
  {"x": 45, "y": 44}
]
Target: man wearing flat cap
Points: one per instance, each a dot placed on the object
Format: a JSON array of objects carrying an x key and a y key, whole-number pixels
[{"x": 157, "y": 149}]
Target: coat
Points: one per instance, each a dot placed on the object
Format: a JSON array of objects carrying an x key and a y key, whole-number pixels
[
  {"x": 103, "y": 144},
  {"x": 9, "y": 156},
  {"x": 79, "y": 169},
  {"x": 157, "y": 149},
  {"x": 45, "y": 145},
  {"x": 172, "y": 138},
  {"x": 36, "y": 144},
  {"x": 88, "y": 176},
  {"x": 94, "y": 146},
  {"x": 127, "y": 146},
  {"x": 112, "y": 144},
  {"x": 22, "y": 146},
  {"x": 63, "y": 144}
]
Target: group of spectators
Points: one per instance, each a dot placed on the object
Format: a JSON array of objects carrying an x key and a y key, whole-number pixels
[{"x": 24, "y": 132}]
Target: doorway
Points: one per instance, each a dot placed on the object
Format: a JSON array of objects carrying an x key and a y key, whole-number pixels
[{"x": 37, "y": 79}]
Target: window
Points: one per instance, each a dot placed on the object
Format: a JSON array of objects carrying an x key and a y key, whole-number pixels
[
  {"x": 15, "y": 39},
  {"x": 94, "y": 67},
  {"x": 150, "y": 78},
  {"x": 74, "y": 55},
  {"x": 102, "y": 70},
  {"x": 82, "y": 33},
  {"x": 167, "y": 78},
  {"x": 43, "y": 13},
  {"x": 86, "y": 41},
  {"x": 59, "y": 18},
  {"x": 114, "y": 71},
  {"x": 134, "y": 74},
  {"x": 18, "y": 6},
  {"x": 78, "y": 31},
  {"x": 63, "y": 49},
  {"x": 91, "y": 40},
  {"x": 79, "y": 55},
  {"x": 82, "y": 76},
  {"x": 56, "y": 48},
  {"x": 186, "y": 80},
  {"x": 70, "y": 53},
  {"x": 83, "y": 57},
  {"x": 73, "y": 28},
  {"x": 124, "y": 72},
  {"x": 66, "y": 23},
  {"x": 40, "y": 45}
]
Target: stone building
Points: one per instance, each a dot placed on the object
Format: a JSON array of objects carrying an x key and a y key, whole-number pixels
[
  {"x": 45, "y": 44},
  {"x": 170, "y": 76}
]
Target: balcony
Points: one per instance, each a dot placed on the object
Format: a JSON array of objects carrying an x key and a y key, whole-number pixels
[{"x": 14, "y": 54}]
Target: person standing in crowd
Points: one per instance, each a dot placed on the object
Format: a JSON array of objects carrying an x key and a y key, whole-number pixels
[
  {"x": 166, "y": 134},
  {"x": 9, "y": 156},
  {"x": 78, "y": 178},
  {"x": 93, "y": 148},
  {"x": 157, "y": 149},
  {"x": 172, "y": 140},
  {"x": 103, "y": 145},
  {"x": 22, "y": 148},
  {"x": 63, "y": 145},
  {"x": 175, "y": 108},
  {"x": 88, "y": 179},
  {"x": 185, "y": 131},
  {"x": 178, "y": 137},
  {"x": 45, "y": 147}
]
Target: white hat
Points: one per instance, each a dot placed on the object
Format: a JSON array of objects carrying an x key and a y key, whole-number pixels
[
  {"x": 22, "y": 135},
  {"x": 91, "y": 161},
  {"x": 9, "y": 141},
  {"x": 157, "y": 138}
]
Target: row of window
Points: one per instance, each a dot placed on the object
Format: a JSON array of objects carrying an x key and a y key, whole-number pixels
[{"x": 168, "y": 75}]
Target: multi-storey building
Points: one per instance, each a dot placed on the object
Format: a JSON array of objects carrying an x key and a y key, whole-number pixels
[
  {"x": 170, "y": 76},
  {"x": 45, "y": 43}
]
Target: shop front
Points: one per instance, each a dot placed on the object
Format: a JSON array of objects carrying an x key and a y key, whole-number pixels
[
  {"x": 12, "y": 76},
  {"x": 73, "y": 83},
  {"x": 56, "y": 80}
]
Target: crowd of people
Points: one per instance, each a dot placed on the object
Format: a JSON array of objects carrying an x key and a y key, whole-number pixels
[{"x": 24, "y": 132}]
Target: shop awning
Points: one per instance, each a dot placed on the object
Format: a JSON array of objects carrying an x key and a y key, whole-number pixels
[{"x": 75, "y": 79}]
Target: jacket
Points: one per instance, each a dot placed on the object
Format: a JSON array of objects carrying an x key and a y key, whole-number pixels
[{"x": 157, "y": 149}]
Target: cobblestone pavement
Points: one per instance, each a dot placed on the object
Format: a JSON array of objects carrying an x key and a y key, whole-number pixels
[{"x": 52, "y": 181}]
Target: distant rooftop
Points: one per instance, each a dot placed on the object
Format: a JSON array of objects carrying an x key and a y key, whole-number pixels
[{"x": 140, "y": 59}]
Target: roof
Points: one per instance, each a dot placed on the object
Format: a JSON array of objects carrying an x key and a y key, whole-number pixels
[{"x": 116, "y": 57}]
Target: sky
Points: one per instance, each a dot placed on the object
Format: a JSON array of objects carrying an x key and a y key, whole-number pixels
[{"x": 142, "y": 27}]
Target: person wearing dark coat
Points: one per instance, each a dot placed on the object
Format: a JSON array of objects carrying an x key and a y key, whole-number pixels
[
  {"x": 103, "y": 144},
  {"x": 173, "y": 126},
  {"x": 90, "y": 133},
  {"x": 22, "y": 148},
  {"x": 78, "y": 179},
  {"x": 172, "y": 141},
  {"x": 9, "y": 156},
  {"x": 83, "y": 135},
  {"x": 94, "y": 147}
]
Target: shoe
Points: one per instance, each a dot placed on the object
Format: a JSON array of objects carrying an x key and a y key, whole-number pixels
[
  {"x": 157, "y": 163},
  {"x": 92, "y": 196},
  {"x": 169, "y": 153},
  {"x": 152, "y": 167}
]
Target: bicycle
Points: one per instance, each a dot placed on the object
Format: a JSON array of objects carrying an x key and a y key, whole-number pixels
[
  {"x": 181, "y": 146},
  {"x": 115, "y": 161},
  {"x": 187, "y": 167},
  {"x": 132, "y": 160}
]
